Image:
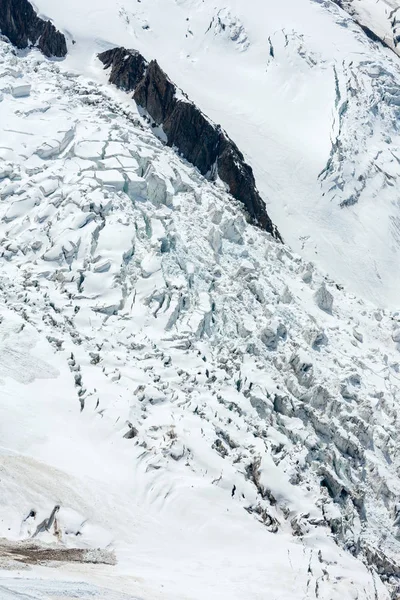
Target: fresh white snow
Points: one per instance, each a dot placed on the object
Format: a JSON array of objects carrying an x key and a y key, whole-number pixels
[{"x": 213, "y": 416}]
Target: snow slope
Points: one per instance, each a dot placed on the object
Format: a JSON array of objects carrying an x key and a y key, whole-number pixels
[
  {"x": 213, "y": 416},
  {"x": 308, "y": 98},
  {"x": 380, "y": 16}
]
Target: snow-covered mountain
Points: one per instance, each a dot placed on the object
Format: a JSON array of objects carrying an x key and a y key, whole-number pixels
[{"x": 190, "y": 409}]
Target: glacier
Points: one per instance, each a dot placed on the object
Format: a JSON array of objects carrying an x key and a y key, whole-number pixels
[
  {"x": 189, "y": 408},
  {"x": 309, "y": 99}
]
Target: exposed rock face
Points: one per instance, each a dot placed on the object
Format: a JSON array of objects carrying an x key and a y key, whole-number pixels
[
  {"x": 128, "y": 68},
  {"x": 199, "y": 140},
  {"x": 20, "y": 23}
]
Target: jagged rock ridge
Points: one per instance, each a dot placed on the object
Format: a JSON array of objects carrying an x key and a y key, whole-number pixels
[
  {"x": 20, "y": 23},
  {"x": 128, "y": 68},
  {"x": 199, "y": 140}
]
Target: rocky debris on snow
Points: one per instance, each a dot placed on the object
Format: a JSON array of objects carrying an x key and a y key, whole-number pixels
[
  {"x": 34, "y": 553},
  {"x": 131, "y": 433},
  {"x": 20, "y": 23},
  {"x": 200, "y": 141}
]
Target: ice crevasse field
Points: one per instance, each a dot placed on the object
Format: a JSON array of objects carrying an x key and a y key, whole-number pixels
[{"x": 189, "y": 409}]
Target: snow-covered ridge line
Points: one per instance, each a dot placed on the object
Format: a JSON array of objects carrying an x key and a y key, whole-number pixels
[
  {"x": 200, "y": 141},
  {"x": 22, "y": 26}
]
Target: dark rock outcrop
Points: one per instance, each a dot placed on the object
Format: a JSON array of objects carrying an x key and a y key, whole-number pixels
[
  {"x": 20, "y": 23},
  {"x": 199, "y": 140},
  {"x": 128, "y": 67}
]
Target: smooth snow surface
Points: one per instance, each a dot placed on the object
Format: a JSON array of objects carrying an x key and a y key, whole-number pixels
[
  {"x": 309, "y": 99},
  {"x": 213, "y": 417}
]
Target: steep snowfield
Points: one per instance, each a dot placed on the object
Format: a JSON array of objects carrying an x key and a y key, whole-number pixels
[
  {"x": 309, "y": 99},
  {"x": 214, "y": 418},
  {"x": 381, "y": 17}
]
